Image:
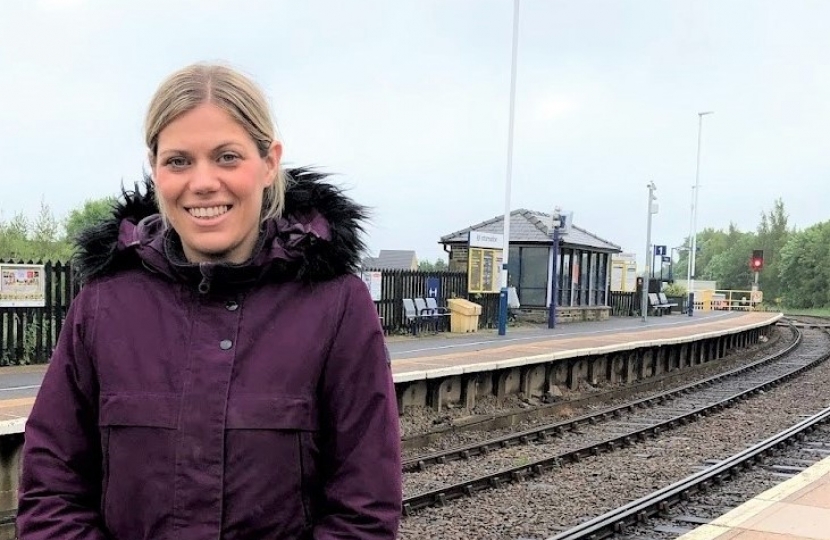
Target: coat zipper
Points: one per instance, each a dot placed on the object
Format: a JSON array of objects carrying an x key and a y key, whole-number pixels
[{"x": 204, "y": 285}]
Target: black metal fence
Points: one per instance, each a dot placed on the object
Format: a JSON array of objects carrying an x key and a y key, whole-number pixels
[
  {"x": 624, "y": 304},
  {"x": 28, "y": 335},
  {"x": 399, "y": 284}
]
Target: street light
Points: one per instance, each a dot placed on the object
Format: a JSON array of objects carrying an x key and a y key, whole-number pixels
[
  {"x": 690, "y": 277},
  {"x": 506, "y": 246},
  {"x": 555, "y": 224},
  {"x": 652, "y": 209}
]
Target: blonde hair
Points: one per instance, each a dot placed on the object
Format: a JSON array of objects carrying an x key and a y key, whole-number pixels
[{"x": 236, "y": 94}]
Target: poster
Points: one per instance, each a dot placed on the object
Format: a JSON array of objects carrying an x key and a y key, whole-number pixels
[
  {"x": 373, "y": 281},
  {"x": 22, "y": 285},
  {"x": 484, "y": 270}
]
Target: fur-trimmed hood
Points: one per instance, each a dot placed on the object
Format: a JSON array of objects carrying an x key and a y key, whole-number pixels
[{"x": 318, "y": 237}]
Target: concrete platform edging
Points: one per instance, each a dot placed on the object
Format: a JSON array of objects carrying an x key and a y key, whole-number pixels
[{"x": 448, "y": 371}]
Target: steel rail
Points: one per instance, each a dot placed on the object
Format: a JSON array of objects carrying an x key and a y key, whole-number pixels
[
  {"x": 616, "y": 521},
  {"x": 542, "y": 433},
  {"x": 444, "y": 494}
]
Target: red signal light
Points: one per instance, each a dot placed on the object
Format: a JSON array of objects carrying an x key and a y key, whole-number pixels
[{"x": 757, "y": 262}]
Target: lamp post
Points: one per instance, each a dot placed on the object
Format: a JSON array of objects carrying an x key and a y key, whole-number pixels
[
  {"x": 690, "y": 278},
  {"x": 554, "y": 274},
  {"x": 652, "y": 209},
  {"x": 506, "y": 247}
]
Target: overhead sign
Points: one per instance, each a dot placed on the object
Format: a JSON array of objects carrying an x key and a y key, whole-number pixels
[
  {"x": 486, "y": 240},
  {"x": 22, "y": 285},
  {"x": 565, "y": 220}
]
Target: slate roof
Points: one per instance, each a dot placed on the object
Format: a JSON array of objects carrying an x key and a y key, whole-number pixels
[
  {"x": 528, "y": 226},
  {"x": 392, "y": 259}
]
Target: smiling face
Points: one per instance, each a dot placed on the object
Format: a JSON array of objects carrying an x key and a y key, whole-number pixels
[{"x": 210, "y": 178}]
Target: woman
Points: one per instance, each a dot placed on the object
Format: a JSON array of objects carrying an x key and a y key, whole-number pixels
[{"x": 222, "y": 374}]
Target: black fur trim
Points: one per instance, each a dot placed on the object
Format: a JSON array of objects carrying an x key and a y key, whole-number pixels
[{"x": 98, "y": 254}]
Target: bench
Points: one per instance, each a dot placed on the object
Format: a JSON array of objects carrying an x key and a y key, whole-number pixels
[
  {"x": 657, "y": 307},
  {"x": 441, "y": 314},
  {"x": 665, "y": 301},
  {"x": 415, "y": 316},
  {"x": 424, "y": 312}
]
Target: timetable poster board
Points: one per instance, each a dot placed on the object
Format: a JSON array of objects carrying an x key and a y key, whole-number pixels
[
  {"x": 22, "y": 285},
  {"x": 373, "y": 281},
  {"x": 484, "y": 270}
]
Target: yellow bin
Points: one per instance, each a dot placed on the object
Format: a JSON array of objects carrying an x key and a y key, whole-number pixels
[{"x": 463, "y": 315}]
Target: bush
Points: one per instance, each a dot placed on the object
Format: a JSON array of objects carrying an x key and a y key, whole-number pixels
[{"x": 674, "y": 290}]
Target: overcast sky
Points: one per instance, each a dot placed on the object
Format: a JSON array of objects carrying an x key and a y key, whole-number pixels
[{"x": 407, "y": 101}]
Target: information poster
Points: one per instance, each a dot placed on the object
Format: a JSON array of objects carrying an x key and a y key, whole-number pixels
[
  {"x": 484, "y": 271},
  {"x": 22, "y": 285},
  {"x": 373, "y": 281}
]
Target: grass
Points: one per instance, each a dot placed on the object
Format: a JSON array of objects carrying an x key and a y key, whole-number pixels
[{"x": 812, "y": 312}]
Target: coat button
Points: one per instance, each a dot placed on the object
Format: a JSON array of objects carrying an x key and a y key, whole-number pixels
[
  {"x": 231, "y": 305},
  {"x": 225, "y": 344}
]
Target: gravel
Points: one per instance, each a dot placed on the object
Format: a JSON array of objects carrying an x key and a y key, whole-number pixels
[
  {"x": 422, "y": 420},
  {"x": 736, "y": 490},
  {"x": 541, "y": 507}
]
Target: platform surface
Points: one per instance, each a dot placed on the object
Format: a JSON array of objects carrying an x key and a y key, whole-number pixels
[
  {"x": 797, "y": 509},
  {"x": 468, "y": 355},
  {"x": 432, "y": 356}
]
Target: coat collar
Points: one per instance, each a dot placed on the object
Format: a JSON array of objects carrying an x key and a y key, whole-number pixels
[{"x": 318, "y": 237}]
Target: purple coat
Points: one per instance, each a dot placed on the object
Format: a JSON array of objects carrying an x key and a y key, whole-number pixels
[{"x": 201, "y": 402}]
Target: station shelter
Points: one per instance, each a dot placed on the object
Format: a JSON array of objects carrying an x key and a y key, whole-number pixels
[{"x": 583, "y": 269}]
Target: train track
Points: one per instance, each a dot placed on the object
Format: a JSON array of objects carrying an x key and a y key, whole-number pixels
[
  {"x": 637, "y": 514},
  {"x": 703, "y": 398},
  {"x": 544, "y": 432}
]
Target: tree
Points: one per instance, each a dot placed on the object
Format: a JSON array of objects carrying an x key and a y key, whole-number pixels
[
  {"x": 772, "y": 235},
  {"x": 729, "y": 267},
  {"x": 21, "y": 239},
  {"x": 93, "y": 211},
  {"x": 438, "y": 266},
  {"x": 805, "y": 268},
  {"x": 13, "y": 237}
]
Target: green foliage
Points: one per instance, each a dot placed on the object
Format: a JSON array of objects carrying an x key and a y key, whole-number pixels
[
  {"x": 772, "y": 235},
  {"x": 796, "y": 269},
  {"x": 93, "y": 211},
  {"x": 728, "y": 263},
  {"x": 805, "y": 268},
  {"x": 438, "y": 266},
  {"x": 40, "y": 240},
  {"x": 674, "y": 289},
  {"x": 47, "y": 238}
]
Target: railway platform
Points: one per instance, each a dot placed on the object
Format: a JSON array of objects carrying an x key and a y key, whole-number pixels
[
  {"x": 430, "y": 358},
  {"x": 427, "y": 358},
  {"x": 459, "y": 371},
  {"x": 796, "y": 509}
]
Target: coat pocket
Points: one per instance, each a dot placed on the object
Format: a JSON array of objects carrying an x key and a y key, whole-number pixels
[
  {"x": 138, "y": 443},
  {"x": 271, "y": 459},
  {"x": 292, "y": 413}
]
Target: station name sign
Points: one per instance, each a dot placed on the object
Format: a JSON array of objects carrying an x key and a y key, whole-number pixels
[{"x": 486, "y": 240}]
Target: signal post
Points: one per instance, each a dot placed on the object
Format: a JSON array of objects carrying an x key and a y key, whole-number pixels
[{"x": 756, "y": 264}]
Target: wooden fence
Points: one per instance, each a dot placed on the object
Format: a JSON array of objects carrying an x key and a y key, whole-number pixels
[{"x": 28, "y": 335}]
